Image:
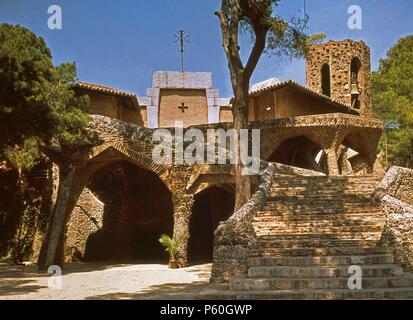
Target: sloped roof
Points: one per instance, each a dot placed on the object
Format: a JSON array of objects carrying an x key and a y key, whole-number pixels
[
  {"x": 305, "y": 90},
  {"x": 265, "y": 84},
  {"x": 108, "y": 90},
  {"x": 104, "y": 89}
]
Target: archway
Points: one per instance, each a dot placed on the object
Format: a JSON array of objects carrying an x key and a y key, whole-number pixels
[
  {"x": 353, "y": 155},
  {"x": 137, "y": 210},
  {"x": 211, "y": 206},
  {"x": 355, "y": 86},
  {"x": 300, "y": 152}
]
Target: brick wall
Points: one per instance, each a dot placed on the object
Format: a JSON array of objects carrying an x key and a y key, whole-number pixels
[{"x": 172, "y": 99}]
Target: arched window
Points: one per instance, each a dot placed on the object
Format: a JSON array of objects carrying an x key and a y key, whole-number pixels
[
  {"x": 354, "y": 78},
  {"x": 325, "y": 80}
]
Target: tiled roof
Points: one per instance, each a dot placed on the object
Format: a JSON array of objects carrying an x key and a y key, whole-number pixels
[
  {"x": 104, "y": 89},
  {"x": 305, "y": 90},
  {"x": 108, "y": 90}
]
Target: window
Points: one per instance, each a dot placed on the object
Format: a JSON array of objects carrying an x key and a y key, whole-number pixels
[
  {"x": 325, "y": 80},
  {"x": 354, "y": 78}
]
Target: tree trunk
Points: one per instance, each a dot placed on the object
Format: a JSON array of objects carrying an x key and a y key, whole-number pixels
[
  {"x": 410, "y": 165},
  {"x": 242, "y": 182},
  {"x": 16, "y": 215},
  {"x": 54, "y": 242}
]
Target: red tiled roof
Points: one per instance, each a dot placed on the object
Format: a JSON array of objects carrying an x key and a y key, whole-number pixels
[
  {"x": 108, "y": 90},
  {"x": 104, "y": 89}
]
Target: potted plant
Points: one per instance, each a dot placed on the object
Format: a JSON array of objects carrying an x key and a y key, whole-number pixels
[{"x": 170, "y": 247}]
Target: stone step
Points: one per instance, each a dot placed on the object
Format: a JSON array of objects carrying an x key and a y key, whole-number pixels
[
  {"x": 308, "y": 229},
  {"x": 325, "y": 180},
  {"x": 318, "y": 243},
  {"x": 286, "y": 236},
  {"x": 323, "y": 251},
  {"x": 325, "y": 261},
  {"x": 386, "y": 270},
  {"x": 245, "y": 283},
  {"x": 291, "y": 209},
  {"x": 222, "y": 293},
  {"x": 303, "y": 191},
  {"x": 321, "y": 219},
  {"x": 319, "y": 200}
]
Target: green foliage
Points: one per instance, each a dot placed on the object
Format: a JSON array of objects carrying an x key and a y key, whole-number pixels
[
  {"x": 23, "y": 156},
  {"x": 169, "y": 244},
  {"x": 37, "y": 103},
  {"x": 393, "y": 101},
  {"x": 285, "y": 39}
]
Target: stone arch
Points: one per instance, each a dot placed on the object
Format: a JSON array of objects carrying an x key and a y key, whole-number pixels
[
  {"x": 326, "y": 80},
  {"x": 107, "y": 155},
  {"x": 206, "y": 181},
  {"x": 211, "y": 206},
  {"x": 138, "y": 208},
  {"x": 300, "y": 151},
  {"x": 116, "y": 151},
  {"x": 355, "y": 153}
]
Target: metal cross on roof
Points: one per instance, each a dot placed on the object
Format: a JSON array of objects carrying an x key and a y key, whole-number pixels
[{"x": 182, "y": 38}]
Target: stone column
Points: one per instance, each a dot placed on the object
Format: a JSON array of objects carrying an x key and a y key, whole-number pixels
[
  {"x": 182, "y": 204},
  {"x": 332, "y": 164}
]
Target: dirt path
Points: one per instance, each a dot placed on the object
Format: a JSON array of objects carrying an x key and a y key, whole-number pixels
[{"x": 103, "y": 281}]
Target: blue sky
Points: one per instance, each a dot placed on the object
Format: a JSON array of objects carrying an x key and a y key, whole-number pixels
[{"x": 121, "y": 43}]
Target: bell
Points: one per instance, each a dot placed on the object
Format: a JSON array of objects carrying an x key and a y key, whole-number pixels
[{"x": 355, "y": 89}]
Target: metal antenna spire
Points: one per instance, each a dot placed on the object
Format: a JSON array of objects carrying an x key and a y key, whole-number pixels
[
  {"x": 182, "y": 38},
  {"x": 305, "y": 17}
]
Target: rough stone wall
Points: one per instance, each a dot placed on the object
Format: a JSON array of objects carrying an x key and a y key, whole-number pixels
[
  {"x": 86, "y": 218},
  {"x": 234, "y": 237},
  {"x": 134, "y": 144},
  {"x": 338, "y": 55},
  {"x": 395, "y": 193}
]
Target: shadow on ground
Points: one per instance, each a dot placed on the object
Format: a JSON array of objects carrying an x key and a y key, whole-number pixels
[
  {"x": 168, "y": 291},
  {"x": 14, "y": 280}
]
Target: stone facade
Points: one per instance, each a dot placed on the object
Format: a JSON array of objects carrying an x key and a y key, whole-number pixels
[
  {"x": 304, "y": 133},
  {"x": 395, "y": 194},
  {"x": 185, "y": 96},
  {"x": 338, "y": 57}
]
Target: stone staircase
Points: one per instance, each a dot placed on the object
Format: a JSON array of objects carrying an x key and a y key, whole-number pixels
[{"x": 309, "y": 233}]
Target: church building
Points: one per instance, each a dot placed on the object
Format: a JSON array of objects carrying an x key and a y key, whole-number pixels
[{"x": 123, "y": 201}]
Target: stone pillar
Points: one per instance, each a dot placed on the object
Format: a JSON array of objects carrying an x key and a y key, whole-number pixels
[
  {"x": 213, "y": 114},
  {"x": 213, "y": 109},
  {"x": 153, "y": 109},
  {"x": 332, "y": 165},
  {"x": 182, "y": 204}
]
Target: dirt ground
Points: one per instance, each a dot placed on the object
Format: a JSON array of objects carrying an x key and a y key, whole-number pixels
[{"x": 104, "y": 281}]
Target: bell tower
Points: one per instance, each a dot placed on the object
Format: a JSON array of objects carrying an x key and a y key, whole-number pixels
[{"x": 342, "y": 71}]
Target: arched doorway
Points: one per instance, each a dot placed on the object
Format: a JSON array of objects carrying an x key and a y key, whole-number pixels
[
  {"x": 211, "y": 206},
  {"x": 300, "y": 152},
  {"x": 137, "y": 210}
]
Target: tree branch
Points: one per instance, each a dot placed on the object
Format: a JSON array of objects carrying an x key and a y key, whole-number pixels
[{"x": 256, "y": 53}]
